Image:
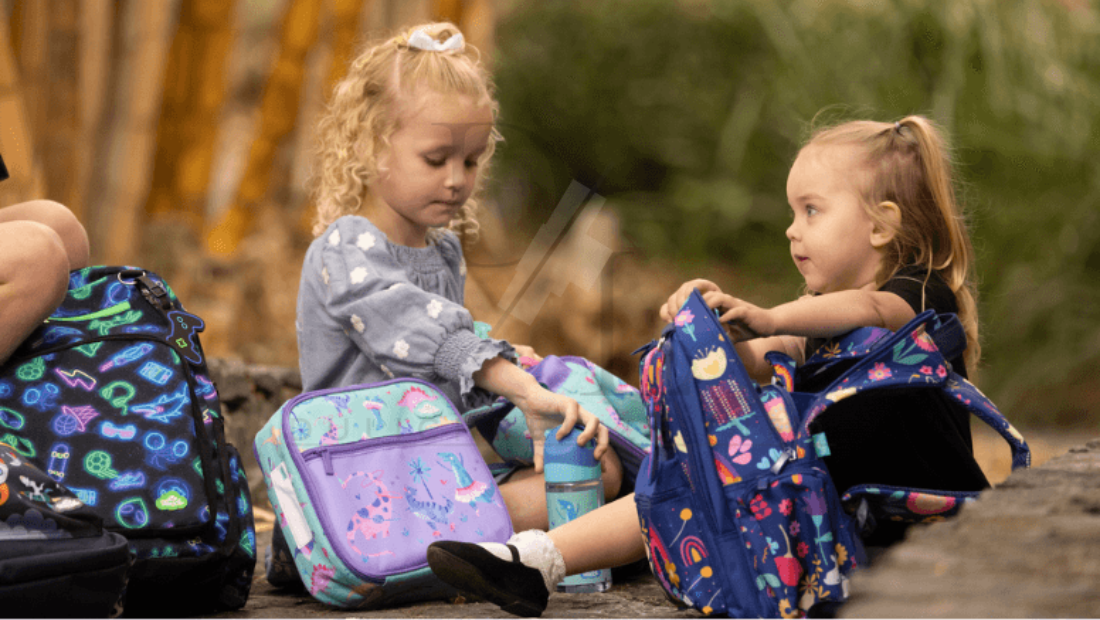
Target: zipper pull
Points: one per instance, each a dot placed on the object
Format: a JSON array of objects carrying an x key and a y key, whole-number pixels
[
  {"x": 156, "y": 292},
  {"x": 788, "y": 455},
  {"x": 326, "y": 459}
]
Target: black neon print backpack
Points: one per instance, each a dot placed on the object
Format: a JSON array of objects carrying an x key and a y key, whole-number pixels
[{"x": 111, "y": 397}]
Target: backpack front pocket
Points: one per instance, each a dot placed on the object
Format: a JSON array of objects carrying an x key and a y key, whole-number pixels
[
  {"x": 382, "y": 501},
  {"x": 800, "y": 543}
]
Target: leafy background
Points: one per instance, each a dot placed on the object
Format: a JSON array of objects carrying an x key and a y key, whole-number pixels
[{"x": 686, "y": 116}]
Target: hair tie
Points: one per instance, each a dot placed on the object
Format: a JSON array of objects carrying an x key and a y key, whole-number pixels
[{"x": 421, "y": 40}]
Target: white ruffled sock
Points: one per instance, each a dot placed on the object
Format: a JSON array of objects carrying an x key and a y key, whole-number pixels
[{"x": 536, "y": 550}]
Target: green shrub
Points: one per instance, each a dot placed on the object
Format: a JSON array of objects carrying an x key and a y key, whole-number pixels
[{"x": 686, "y": 116}]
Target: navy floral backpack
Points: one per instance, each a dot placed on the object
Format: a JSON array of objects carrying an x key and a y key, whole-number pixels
[
  {"x": 111, "y": 397},
  {"x": 740, "y": 514}
]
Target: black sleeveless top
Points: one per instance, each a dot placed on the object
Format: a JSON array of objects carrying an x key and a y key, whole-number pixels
[
  {"x": 912, "y": 438},
  {"x": 909, "y": 284}
]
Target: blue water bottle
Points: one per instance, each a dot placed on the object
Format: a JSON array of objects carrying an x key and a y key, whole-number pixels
[{"x": 574, "y": 486}]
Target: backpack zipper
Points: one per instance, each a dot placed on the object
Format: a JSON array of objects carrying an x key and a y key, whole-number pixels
[{"x": 118, "y": 308}]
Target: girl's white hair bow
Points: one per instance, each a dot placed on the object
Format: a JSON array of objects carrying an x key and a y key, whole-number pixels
[{"x": 423, "y": 41}]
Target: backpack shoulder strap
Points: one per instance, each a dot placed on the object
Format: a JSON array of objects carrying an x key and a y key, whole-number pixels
[{"x": 981, "y": 407}]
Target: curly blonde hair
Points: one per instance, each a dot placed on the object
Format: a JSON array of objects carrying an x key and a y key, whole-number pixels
[
  {"x": 910, "y": 165},
  {"x": 361, "y": 116}
]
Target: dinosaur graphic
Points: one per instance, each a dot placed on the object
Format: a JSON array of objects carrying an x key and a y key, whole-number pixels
[
  {"x": 437, "y": 515},
  {"x": 468, "y": 491},
  {"x": 569, "y": 508},
  {"x": 373, "y": 519}
]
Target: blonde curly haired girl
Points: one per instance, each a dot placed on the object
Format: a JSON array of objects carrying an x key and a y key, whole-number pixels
[
  {"x": 365, "y": 111},
  {"x": 403, "y": 148}
]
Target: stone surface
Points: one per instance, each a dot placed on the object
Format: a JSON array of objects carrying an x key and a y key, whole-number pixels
[
  {"x": 633, "y": 595},
  {"x": 1030, "y": 547}
]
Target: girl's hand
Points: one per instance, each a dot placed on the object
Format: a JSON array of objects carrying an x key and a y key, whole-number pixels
[
  {"x": 545, "y": 410},
  {"x": 743, "y": 320},
  {"x": 523, "y": 350},
  {"x": 677, "y": 299}
]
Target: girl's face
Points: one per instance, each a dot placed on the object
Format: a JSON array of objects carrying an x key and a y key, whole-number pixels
[
  {"x": 431, "y": 165},
  {"x": 831, "y": 233}
]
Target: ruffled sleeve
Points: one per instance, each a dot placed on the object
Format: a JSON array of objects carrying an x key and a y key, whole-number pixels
[{"x": 406, "y": 330}]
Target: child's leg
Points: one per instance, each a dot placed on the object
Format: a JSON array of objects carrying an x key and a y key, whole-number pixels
[
  {"x": 524, "y": 493},
  {"x": 610, "y": 536},
  {"x": 519, "y": 576},
  {"x": 34, "y": 275},
  {"x": 40, "y": 242},
  {"x": 58, "y": 218}
]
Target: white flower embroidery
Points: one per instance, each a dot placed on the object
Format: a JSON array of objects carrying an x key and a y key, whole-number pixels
[
  {"x": 386, "y": 370},
  {"x": 365, "y": 241},
  {"x": 358, "y": 275},
  {"x": 434, "y": 308},
  {"x": 357, "y": 323},
  {"x": 334, "y": 238},
  {"x": 401, "y": 349},
  {"x": 324, "y": 275}
]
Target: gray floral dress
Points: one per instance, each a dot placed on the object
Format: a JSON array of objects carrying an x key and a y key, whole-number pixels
[{"x": 370, "y": 310}]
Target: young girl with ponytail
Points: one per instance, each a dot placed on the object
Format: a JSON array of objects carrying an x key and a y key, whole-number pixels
[{"x": 878, "y": 237}]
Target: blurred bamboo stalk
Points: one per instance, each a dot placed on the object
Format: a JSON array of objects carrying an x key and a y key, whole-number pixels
[
  {"x": 194, "y": 90},
  {"x": 345, "y": 15},
  {"x": 278, "y": 116},
  {"x": 476, "y": 19},
  {"x": 96, "y": 30},
  {"x": 16, "y": 142},
  {"x": 127, "y": 132},
  {"x": 448, "y": 10}
]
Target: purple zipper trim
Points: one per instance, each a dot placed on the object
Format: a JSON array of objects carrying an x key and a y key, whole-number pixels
[
  {"x": 363, "y": 444},
  {"x": 314, "y": 453}
]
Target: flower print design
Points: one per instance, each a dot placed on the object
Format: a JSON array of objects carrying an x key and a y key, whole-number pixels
[
  {"x": 365, "y": 241},
  {"x": 816, "y": 504},
  {"x": 841, "y": 554},
  {"x": 334, "y": 238},
  {"x": 924, "y": 341},
  {"x": 879, "y": 372},
  {"x": 830, "y": 350},
  {"x": 941, "y": 372},
  {"x": 802, "y": 549},
  {"x": 324, "y": 275},
  {"x": 358, "y": 275},
  {"x": 684, "y": 317},
  {"x": 739, "y": 450},
  {"x": 357, "y": 323},
  {"x": 401, "y": 349},
  {"x": 759, "y": 508},
  {"x": 796, "y": 527},
  {"x": 785, "y": 507},
  {"x": 925, "y": 370},
  {"x": 434, "y": 308}
]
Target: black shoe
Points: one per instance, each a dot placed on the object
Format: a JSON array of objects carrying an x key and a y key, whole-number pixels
[{"x": 516, "y": 588}]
